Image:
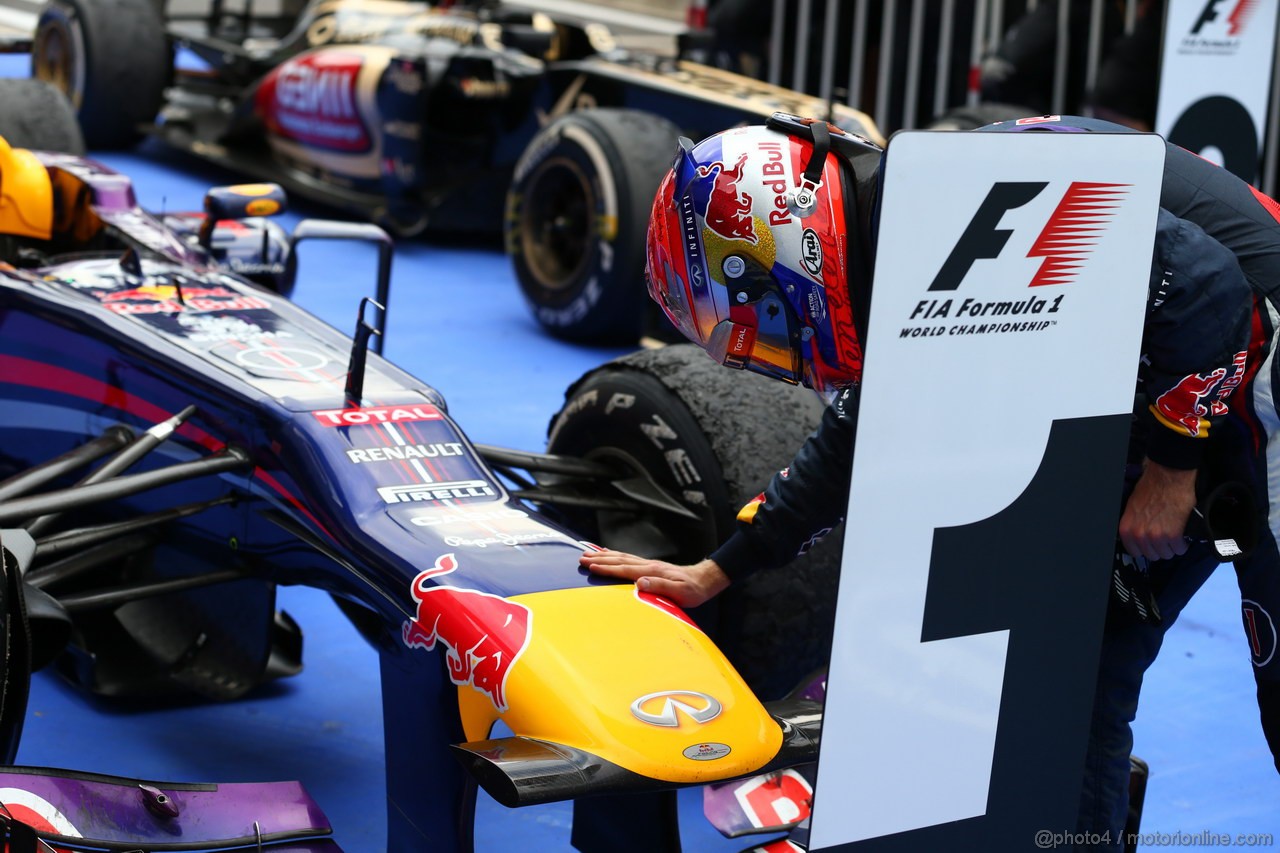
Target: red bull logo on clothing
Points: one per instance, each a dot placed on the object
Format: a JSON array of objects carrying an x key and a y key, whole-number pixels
[
  {"x": 483, "y": 634},
  {"x": 1182, "y": 406},
  {"x": 728, "y": 210}
]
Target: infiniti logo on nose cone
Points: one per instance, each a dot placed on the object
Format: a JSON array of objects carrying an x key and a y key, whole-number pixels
[{"x": 664, "y": 708}]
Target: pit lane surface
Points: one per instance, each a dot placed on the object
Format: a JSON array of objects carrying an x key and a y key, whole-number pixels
[{"x": 457, "y": 321}]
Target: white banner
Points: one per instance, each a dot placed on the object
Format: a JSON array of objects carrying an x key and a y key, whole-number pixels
[
  {"x": 1215, "y": 79},
  {"x": 1010, "y": 288}
]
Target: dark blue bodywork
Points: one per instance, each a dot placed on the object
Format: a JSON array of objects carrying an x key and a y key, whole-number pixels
[{"x": 353, "y": 497}]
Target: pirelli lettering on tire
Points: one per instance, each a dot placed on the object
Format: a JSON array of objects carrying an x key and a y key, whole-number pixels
[
  {"x": 577, "y": 210},
  {"x": 682, "y": 468},
  {"x": 657, "y": 431},
  {"x": 577, "y": 310}
]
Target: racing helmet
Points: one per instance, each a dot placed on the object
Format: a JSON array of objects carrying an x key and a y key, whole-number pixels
[
  {"x": 758, "y": 248},
  {"x": 26, "y": 194}
]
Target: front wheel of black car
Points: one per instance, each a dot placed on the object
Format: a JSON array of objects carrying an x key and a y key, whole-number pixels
[
  {"x": 34, "y": 114},
  {"x": 577, "y": 212},
  {"x": 110, "y": 58},
  {"x": 710, "y": 438}
]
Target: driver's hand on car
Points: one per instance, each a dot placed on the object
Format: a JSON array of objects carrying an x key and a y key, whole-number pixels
[{"x": 687, "y": 586}]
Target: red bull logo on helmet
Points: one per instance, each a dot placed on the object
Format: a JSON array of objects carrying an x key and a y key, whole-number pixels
[
  {"x": 483, "y": 634},
  {"x": 727, "y": 211}
]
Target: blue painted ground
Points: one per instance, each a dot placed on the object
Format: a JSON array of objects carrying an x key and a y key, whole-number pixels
[{"x": 457, "y": 322}]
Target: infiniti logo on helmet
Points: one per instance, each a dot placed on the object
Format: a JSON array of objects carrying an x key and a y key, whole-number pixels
[
  {"x": 698, "y": 707},
  {"x": 695, "y": 275}
]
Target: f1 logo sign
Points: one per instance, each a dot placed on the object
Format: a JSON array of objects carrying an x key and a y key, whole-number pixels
[
  {"x": 1066, "y": 239},
  {"x": 969, "y": 614},
  {"x": 1206, "y": 42},
  {"x": 1236, "y": 20}
]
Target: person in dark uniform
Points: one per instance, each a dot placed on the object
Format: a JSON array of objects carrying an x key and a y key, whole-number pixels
[{"x": 1205, "y": 411}]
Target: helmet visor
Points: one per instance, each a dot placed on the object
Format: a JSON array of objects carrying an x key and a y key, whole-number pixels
[{"x": 761, "y": 334}]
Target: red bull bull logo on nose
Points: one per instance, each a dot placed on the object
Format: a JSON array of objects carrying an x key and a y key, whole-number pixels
[
  {"x": 168, "y": 299},
  {"x": 728, "y": 211},
  {"x": 483, "y": 634}
]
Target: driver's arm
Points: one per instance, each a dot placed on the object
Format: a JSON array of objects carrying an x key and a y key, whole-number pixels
[
  {"x": 801, "y": 504},
  {"x": 1194, "y": 347}
]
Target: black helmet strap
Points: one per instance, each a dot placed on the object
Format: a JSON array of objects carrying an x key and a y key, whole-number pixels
[
  {"x": 802, "y": 200},
  {"x": 818, "y": 158}
]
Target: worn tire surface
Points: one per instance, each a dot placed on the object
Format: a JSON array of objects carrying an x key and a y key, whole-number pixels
[
  {"x": 712, "y": 437},
  {"x": 111, "y": 58},
  {"x": 577, "y": 214},
  {"x": 33, "y": 114}
]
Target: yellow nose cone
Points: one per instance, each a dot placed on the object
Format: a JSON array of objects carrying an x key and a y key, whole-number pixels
[{"x": 628, "y": 677}]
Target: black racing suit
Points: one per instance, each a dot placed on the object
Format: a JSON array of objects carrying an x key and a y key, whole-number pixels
[{"x": 1200, "y": 322}]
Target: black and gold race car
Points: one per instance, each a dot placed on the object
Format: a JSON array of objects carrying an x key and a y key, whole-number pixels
[{"x": 451, "y": 117}]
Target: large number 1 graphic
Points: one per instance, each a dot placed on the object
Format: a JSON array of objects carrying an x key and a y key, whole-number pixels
[{"x": 971, "y": 733}]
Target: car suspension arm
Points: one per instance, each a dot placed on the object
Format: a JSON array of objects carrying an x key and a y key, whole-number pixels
[
  {"x": 116, "y": 596},
  {"x": 638, "y": 490},
  {"x": 73, "y": 540},
  {"x": 76, "y": 497},
  {"x": 33, "y": 478},
  {"x": 136, "y": 449}
]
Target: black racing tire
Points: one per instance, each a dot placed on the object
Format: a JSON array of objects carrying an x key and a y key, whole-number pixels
[
  {"x": 711, "y": 437},
  {"x": 33, "y": 114},
  {"x": 577, "y": 212},
  {"x": 112, "y": 60}
]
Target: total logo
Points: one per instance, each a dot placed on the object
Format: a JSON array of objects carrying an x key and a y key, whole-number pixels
[{"x": 377, "y": 415}]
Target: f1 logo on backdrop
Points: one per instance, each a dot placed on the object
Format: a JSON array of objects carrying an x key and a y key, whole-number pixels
[
  {"x": 1235, "y": 21},
  {"x": 1068, "y": 237},
  {"x": 977, "y": 546},
  {"x": 1207, "y": 42}
]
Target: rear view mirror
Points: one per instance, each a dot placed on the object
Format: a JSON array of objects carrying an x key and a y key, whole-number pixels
[{"x": 239, "y": 202}]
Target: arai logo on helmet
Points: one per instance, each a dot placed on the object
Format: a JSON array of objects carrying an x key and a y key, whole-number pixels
[{"x": 811, "y": 253}]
